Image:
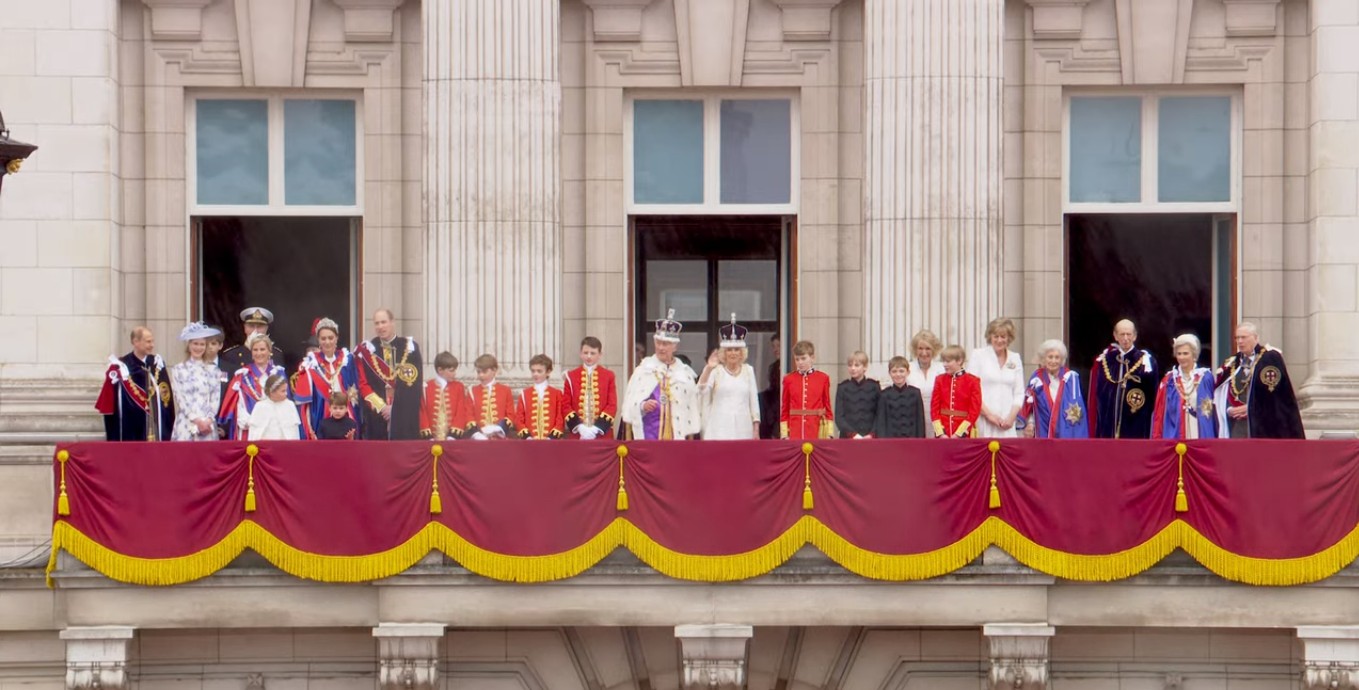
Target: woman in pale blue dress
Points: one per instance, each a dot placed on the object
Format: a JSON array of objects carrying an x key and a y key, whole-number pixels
[{"x": 197, "y": 390}]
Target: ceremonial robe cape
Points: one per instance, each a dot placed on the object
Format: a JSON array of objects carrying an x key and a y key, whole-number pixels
[
  {"x": 1122, "y": 393},
  {"x": 446, "y": 411},
  {"x": 246, "y": 389},
  {"x": 136, "y": 399},
  {"x": 1070, "y": 419},
  {"x": 316, "y": 377},
  {"x": 390, "y": 376},
  {"x": 674, "y": 387},
  {"x": 1272, "y": 407},
  {"x": 1172, "y": 414},
  {"x": 540, "y": 416},
  {"x": 591, "y": 398},
  {"x": 805, "y": 411}
]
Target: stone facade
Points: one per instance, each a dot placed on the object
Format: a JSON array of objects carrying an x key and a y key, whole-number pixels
[{"x": 929, "y": 193}]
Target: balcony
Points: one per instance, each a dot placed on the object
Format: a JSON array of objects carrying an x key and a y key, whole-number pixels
[{"x": 1005, "y": 547}]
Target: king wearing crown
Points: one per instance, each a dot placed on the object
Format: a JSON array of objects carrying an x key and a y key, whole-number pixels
[{"x": 662, "y": 398}]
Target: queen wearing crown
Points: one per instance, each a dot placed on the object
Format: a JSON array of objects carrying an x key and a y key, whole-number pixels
[
  {"x": 662, "y": 399},
  {"x": 727, "y": 392}
]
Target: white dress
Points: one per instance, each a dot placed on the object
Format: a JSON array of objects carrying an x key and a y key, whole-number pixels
[
  {"x": 922, "y": 380},
  {"x": 1002, "y": 388},
  {"x": 731, "y": 405},
  {"x": 273, "y": 421}
]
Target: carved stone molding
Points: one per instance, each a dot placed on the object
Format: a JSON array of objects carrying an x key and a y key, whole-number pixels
[
  {"x": 712, "y": 41},
  {"x": 408, "y": 655},
  {"x": 1142, "y": 29},
  {"x": 176, "y": 20},
  {"x": 714, "y": 656},
  {"x": 617, "y": 20},
  {"x": 273, "y": 37},
  {"x": 369, "y": 20},
  {"x": 1019, "y": 655},
  {"x": 1058, "y": 19},
  {"x": 96, "y": 657},
  {"x": 1330, "y": 657},
  {"x": 806, "y": 20},
  {"x": 1252, "y": 17}
]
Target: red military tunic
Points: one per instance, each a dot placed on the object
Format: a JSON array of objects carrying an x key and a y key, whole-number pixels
[
  {"x": 445, "y": 413},
  {"x": 486, "y": 410},
  {"x": 591, "y": 398},
  {"x": 955, "y": 404},
  {"x": 540, "y": 415},
  {"x": 806, "y": 408}
]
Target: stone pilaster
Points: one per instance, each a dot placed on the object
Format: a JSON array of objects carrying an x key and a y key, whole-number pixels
[
  {"x": 408, "y": 655},
  {"x": 1328, "y": 398},
  {"x": 933, "y": 174},
  {"x": 96, "y": 657},
  {"x": 1019, "y": 655},
  {"x": 493, "y": 179},
  {"x": 714, "y": 656},
  {"x": 1330, "y": 657}
]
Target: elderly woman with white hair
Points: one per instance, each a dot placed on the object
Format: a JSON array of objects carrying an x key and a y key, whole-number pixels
[
  {"x": 1053, "y": 404},
  {"x": 1184, "y": 402}
]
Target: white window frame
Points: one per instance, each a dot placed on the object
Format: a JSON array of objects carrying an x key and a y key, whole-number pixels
[
  {"x": 712, "y": 153},
  {"x": 277, "y": 192},
  {"x": 1149, "y": 203}
]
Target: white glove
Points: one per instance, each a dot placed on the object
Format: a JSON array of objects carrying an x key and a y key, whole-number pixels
[
  {"x": 478, "y": 436},
  {"x": 492, "y": 430},
  {"x": 859, "y": 436},
  {"x": 587, "y": 433}
]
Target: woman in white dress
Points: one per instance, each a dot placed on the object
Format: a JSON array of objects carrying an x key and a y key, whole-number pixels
[
  {"x": 727, "y": 391},
  {"x": 1002, "y": 381},
  {"x": 197, "y": 389},
  {"x": 925, "y": 365}
]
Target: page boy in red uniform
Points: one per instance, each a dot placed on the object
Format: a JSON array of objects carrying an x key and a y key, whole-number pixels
[
  {"x": 591, "y": 395},
  {"x": 540, "y": 412},
  {"x": 806, "y": 408},
  {"x": 445, "y": 413},
  {"x": 956, "y": 401}
]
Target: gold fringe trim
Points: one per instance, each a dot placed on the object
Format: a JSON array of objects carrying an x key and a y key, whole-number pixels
[{"x": 703, "y": 568}]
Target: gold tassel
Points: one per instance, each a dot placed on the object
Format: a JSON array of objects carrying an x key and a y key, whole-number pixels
[
  {"x": 436, "y": 504},
  {"x": 1181, "y": 500},
  {"x": 63, "y": 503},
  {"x": 808, "y": 502},
  {"x": 993, "y": 501},
  {"x": 251, "y": 450},
  {"x": 622, "y": 490}
]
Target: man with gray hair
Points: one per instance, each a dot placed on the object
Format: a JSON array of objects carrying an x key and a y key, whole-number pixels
[
  {"x": 1254, "y": 396},
  {"x": 1123, "y": 386}
]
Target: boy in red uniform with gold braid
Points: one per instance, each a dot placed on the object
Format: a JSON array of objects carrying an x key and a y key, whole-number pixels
[
  {"x": 491, "y": 415},
  {"x": 806, "y": 409},
  {"x": 957, "y": 399},
  {"x": 444, "y": 414},
  {"x": 540, "y": 412},
  {"x": 591, "y": 395}
]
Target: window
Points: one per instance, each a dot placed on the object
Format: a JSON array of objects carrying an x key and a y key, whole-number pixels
[
  {"x": 712, "y": 154},
  {"x": 276, "y": 205},
  {"x": 1163, "y": 152},
  {"x": 275, "y": 155}
]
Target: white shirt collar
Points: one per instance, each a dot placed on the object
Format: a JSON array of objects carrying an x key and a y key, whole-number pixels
[{"x": 540, "y": 387}]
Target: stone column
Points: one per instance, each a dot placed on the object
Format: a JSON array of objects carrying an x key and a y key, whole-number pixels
[
  {"x": 714, "y": 656},
  {"x": 1330, "y": 657},
  {"x": 932, "y": 170},
  {"x": 1328, "y": 398},
  {"x": 96, "y": 657},
  {"x": 1019, "y": 655},
  {"x": 493, "y": 179},
  {"x": 408, "y": 655}
]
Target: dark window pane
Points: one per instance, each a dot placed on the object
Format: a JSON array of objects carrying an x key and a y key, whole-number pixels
[
  {"x": 1156, "y": 269},
  {"x": 298, "y": 268}
]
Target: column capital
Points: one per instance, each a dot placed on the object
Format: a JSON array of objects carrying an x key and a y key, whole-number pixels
[
  {"x": 1330, "y": 656},
  {"x": 714, "y": 656},
  {"x": 1019, "y": 655},
  {"x": 408, "y": 655},
  {"x": 96, "y": 656}
]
